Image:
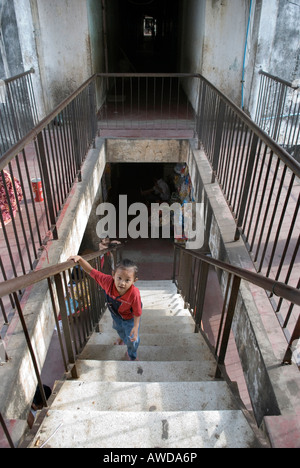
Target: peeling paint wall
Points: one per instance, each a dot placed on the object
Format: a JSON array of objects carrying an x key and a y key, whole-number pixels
[
  {"x": 63, "y": 44},
  {"x": 225, "y": 30}
]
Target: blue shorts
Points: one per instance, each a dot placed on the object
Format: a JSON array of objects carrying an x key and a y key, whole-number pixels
[{"x": 123, "y": 328}]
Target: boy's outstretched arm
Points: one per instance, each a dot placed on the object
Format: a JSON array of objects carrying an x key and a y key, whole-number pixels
[
  {"x": 134, "y": 332},
  {"x": 83, "y": 263}
]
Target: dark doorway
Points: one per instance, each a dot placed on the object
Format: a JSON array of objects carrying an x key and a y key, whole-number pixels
[{"x": 148, "y": 33}]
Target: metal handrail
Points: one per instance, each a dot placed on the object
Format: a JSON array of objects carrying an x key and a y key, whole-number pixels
[
  {"x": 18, "y": 147},
  {"x": 23, "y": 282},
  {"x": 279, "y": 289},
  {"x": 276, "y": 287},
  {"x": 193, "y": 291}
]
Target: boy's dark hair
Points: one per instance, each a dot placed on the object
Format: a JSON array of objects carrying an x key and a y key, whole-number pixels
[
  {"x": 126, "y": 263},
  {"x": 37, "y": 399}
]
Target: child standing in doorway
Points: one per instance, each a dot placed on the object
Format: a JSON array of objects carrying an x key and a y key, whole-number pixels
[{"x": 123, "y": 300}]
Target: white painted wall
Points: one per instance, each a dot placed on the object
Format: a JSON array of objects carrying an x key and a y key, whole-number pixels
[
  {"x": 29, "y": 52},
  {"x": 63, "y": 44},
  {"x": 212, "y": 42},
  {"x": 224, "y": 42}
]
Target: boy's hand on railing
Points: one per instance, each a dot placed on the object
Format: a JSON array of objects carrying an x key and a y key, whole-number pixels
[
  {"x": 83, "y": 263},
  {"x": 75, "y": 258}
]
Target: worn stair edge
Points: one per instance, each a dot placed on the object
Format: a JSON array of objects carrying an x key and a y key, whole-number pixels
[
  {"x": 146, "y": 353},
  {"x": 151, "y": 339},
  {"x": 172, "y": 325},
  {"x": 164, "y": 316},
  {"x": 144, "y": 396},
  {"x": 93, "y": 429},
  {"x": 146, "y": 371}
]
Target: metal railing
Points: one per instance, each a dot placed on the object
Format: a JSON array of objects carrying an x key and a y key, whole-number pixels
[
  {"x": 18, "y": 112},
  {"x": 190, "y": 273},
  {"x": 260, "y": 182},
  {"x": 259, "y": 179},
  {"x": 148, "y": 103},
  {"x": 278, "y": 112},
  {"x": 77, "y": 304},
  {"x": 36, "y": 177}
]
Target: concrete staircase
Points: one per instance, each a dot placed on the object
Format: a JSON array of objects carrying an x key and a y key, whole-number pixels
[{"x": 167, "y": 399}]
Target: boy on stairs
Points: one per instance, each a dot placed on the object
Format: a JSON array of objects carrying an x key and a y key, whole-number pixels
[{"x": 123, "y": 301}]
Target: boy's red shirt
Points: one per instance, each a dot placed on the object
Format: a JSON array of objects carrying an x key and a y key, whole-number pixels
[{"x": 128, "y": 305}]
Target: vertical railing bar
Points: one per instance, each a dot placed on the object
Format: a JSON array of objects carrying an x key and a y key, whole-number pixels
[
  {"x": 229, "y": 142},
  {"x": 13, "y": 223},
  {"x": 20, "y": 215},
  {"x": 263, "y": 159},
  {"x": 57, "y": 163},
  {"x": 283, "y": 211},
  {"x": 238, "y": 177},
  {"x": 290, "y": 310},
  {"x": 79, "y": 288},
  {"x": 32, "y": 197},
  {"x": 229, "y": 318},
  {"x": 76, "y": 317},
  {"x": 47, "y": 185},
  {"x": 252, "y": 192},
  {"x": 53, "y": 171},
  {"x": 20, "y": 177},
  {"x": 261, "y": 204},
  {"x": 30, "y": 348},
  {"x": 7, "y": 243},
  {"x": 6, "y": 432},
  {"x": 295, "y": 335},
  {"x": 271, "y": 192},
  {"x": 249, "y": 173},
  {"x": 54, "y": 308},
  {"x": 272, "y": 219},
  {"x": 70, "y": 315},
  {"x": 65, "y": 322},
  {"x": 223, "y": 313},
  {"x": 39, "y": 160},
  {"x": 292, "y": 225}
]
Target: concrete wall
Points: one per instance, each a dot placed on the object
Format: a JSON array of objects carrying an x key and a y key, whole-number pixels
[
  {"x": 63, "y": 45},
  {"x": 212, "y": 42},
  {"x": 11, "y": 62},
  {"x": 273, "y": 45},
  {"x": 146, "y": 151},
  {"x": 225, "y": 30}
]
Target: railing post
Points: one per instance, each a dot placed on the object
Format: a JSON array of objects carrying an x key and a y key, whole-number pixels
[
  {"x": 296, "y": 335},
  {"x": 6, "y": 432},
  {"x": 228, "y": 322},
  {"x": 201, "y": 290},
  {"x": 218, "y": 138},
  {"x": 30, "y": 348},
  {"x": 65, "y": 323},
  {"x": 75, "y": 140},
  {"x": 249, "y": 175},
  {"x": 47, "y": 185}
]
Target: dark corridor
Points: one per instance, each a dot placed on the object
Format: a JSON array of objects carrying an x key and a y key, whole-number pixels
[{"x": 148, "y": 35}]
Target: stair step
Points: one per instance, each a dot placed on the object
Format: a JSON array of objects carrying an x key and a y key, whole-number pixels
[
  {"x": 156, "y": 284},
  {"x": 94, "y": 429},
  {"x": 152, "y": 339},
  {"x": 155, "y": 324},
  {"x": 146, "y": 371},
  {"x": 144, "y": 396},
  {"x": 145, "y": 353}
]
